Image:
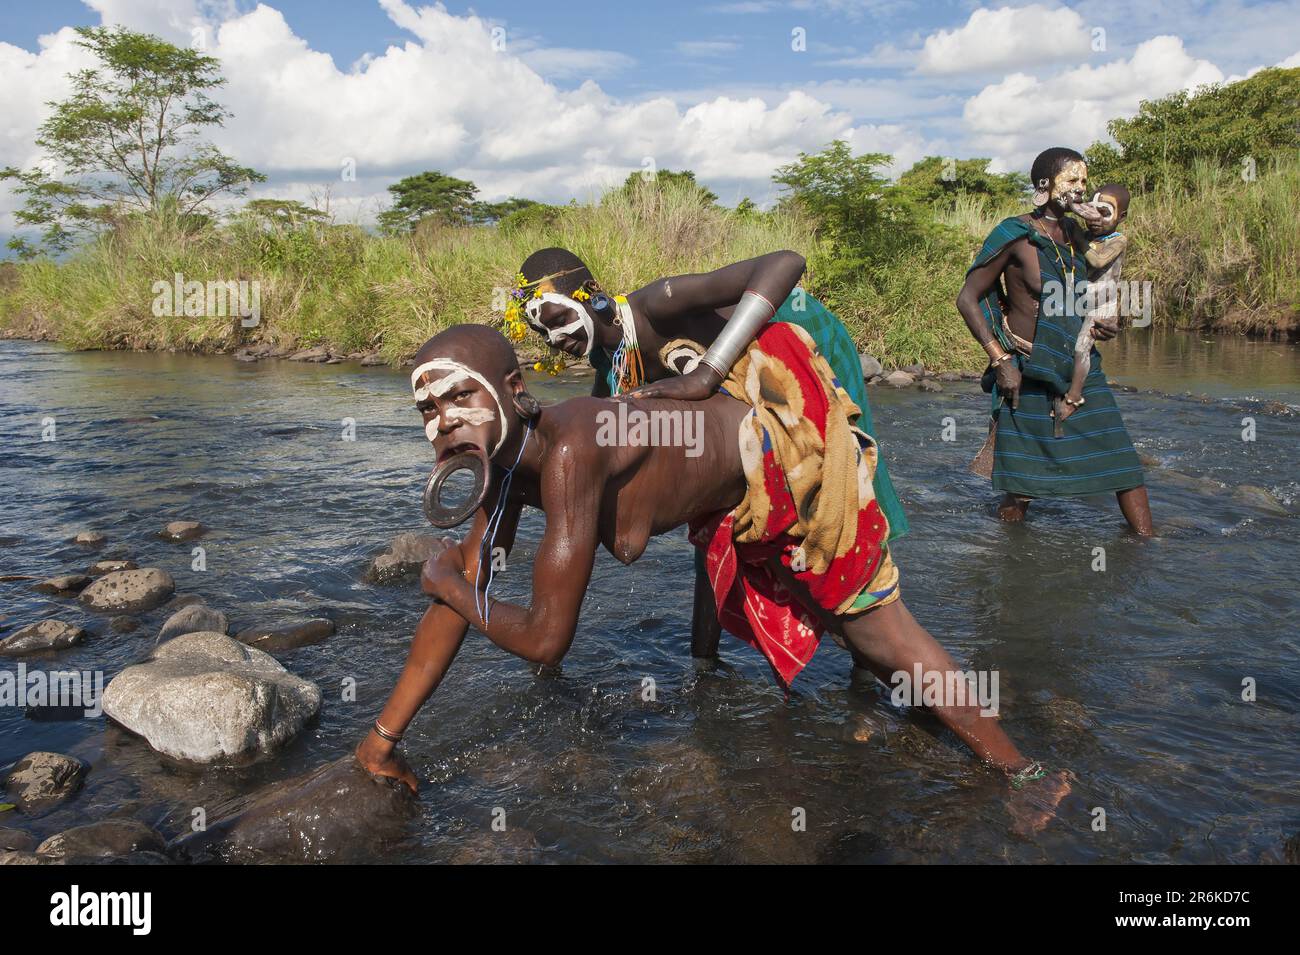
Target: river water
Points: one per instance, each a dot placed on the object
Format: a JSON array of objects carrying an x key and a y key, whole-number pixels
[{"x": 1131, "y": 677}]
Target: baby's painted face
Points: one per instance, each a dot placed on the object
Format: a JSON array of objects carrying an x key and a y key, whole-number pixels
[
  {"x": 1070, "y": 183},
  {"x": 1108, "y": 206}
]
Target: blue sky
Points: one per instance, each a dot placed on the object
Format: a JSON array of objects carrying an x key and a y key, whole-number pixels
[{"x": 578, "y": 93}]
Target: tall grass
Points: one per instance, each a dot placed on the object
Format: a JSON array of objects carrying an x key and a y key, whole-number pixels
[{"x": 1223, "y": 253}]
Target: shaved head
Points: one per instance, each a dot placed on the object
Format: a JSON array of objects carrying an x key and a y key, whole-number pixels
[{"x": 477, "y": 346}]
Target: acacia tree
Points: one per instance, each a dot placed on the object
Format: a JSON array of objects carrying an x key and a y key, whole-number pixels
[{"x": 128, "y": 141}]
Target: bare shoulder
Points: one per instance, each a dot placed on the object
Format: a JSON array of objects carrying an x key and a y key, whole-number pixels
[{"x": 573, "y": 428}]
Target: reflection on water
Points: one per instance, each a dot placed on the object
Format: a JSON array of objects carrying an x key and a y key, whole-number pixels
[{"x": 1131, "y": 677}]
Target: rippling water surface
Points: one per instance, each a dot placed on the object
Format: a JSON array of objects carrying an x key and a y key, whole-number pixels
[{"x": 1130, "y": 677}]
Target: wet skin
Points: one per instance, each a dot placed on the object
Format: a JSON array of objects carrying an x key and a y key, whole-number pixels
[
  {"x": 625, "y": 496},
  {"x": 693, "y": 307}
]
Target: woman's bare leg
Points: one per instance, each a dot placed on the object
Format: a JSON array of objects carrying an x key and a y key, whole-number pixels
[{"x": 1136, "y": 509}]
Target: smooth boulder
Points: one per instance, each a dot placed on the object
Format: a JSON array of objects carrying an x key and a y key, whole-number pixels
[
  {"x": 38, "y": 637},
  {"x": 899, "y": 379},
  {"x": 193, "y": 618},
  {"x": 106, "y": 838},
  {"x": 870, "y": 366},
  {"x": 90, "y": 539},
  {"x": 41, "y": 779},
  {"x": 337, "y": 812},
  {"x": 129, "y": 591},
  {"x": 203, "y": 696},
  {"x": 287, "y": 636}
]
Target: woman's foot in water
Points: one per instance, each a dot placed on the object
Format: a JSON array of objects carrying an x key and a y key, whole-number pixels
[{"x": 1012, "y": 508}]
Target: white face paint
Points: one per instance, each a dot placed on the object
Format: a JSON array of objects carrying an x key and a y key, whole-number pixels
[
  {"x": 1068, "y": 185},
  {"x": 455, "y": 374},
  {"x": 583, "y": 323}
]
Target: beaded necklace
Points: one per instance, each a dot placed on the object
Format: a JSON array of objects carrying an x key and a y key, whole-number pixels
[{"x": 628, "y": 369}]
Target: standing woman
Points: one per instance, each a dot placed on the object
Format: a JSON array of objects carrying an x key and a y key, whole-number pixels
[
  {"x": 677, "y": 338},
  {"x": 1021, "y": 302}
]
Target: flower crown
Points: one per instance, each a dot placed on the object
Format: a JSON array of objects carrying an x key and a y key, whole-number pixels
[{"x": 516, "y": 328}]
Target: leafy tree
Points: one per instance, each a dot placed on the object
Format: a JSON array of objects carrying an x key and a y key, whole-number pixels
[
  {"x": 428, "y": 194},
  {"x": 495, "y": 212},
  {"x": 667, "y": 177},
  {"x": 128, "y": 142},
  {"x": 1251, "y": 120},
  {"x": 285, "y": 213},
  {"x": 937, "y": 182}
]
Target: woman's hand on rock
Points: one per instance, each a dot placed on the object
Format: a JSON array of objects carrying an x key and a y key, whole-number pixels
[
  {"x": 444, "y": 563},
  {"x": 1104, "y": 331},
  {"x": 387, "y": 765}
]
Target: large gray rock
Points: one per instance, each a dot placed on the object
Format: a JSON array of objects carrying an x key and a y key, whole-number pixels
[
  {"x": 109, "y": 837},
  {"x": 287, "y": 636},
  {"x": 202, "y": 696},
  {"x": 870, "y": 366},
  {"x": 90, "y": 539},
  {"x": 899, "y": 379},
  {"x": 319, "y": 353},
  {"x": 194, "y": 618},
  {"x": 129, "y": 591},
  {"x": 40, "y": 779},
  {"x": 38, "y": 637},
  {"x": 335, "y": 813},
  {"x": 405, "y": 555}
]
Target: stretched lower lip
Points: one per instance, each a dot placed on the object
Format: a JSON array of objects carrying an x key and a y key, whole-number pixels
[{"x": 457, "y": 449}]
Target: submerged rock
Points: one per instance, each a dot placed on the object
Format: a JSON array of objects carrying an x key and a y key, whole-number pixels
[
  {"x": 182, "y": 531},
  {"x": 287, "y": 636},
  {"x": 202, "y": 696},
  {"x": 41, "y": 779},
  {"x": 36, "y": 637},
  {"x": 929, "y": 384},
  {"x": 335, "y": 813},
  {"x": 193, "y": 618},
  {"x": 109, "y": 837},
  {"x": 129, "y": 591},
  {"x": 406, "y": 554},
  {"x": 67, "y": 584},
  {"x": 15, "y": 840},
  {"x": 123, "y": 623},
  {"x": 90, "y": 539},
  {"x": 102, "y": 567},
  {"x": 1258, "y": 497}
]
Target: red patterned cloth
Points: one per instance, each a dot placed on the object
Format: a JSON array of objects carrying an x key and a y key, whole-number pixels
[{"x": 810, "y": 502}]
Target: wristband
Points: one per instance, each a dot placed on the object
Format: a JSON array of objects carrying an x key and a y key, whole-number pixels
[{"x": 385, "y": 734}]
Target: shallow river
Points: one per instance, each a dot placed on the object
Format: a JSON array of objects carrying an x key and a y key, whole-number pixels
[{"x": 1131, "y": 677}]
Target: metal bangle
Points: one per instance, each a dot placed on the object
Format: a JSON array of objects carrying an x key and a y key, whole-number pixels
[
  {"x": 385, "y": 734},
  {"x": 751, "y": 313}
]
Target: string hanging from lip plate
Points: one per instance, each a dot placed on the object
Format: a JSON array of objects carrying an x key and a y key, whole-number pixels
[{"x": 490, "y": 533}]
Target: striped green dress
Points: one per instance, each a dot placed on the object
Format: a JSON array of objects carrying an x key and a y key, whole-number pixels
[{"x": 1095, "y": 453}]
